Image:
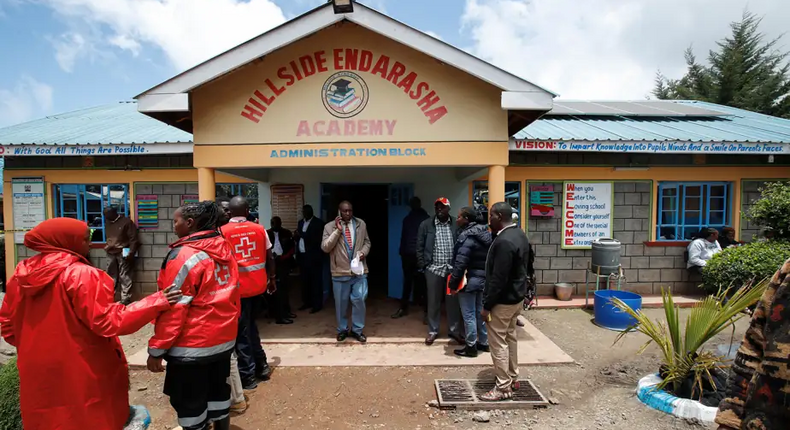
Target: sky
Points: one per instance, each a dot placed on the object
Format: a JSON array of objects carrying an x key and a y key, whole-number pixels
[{"x": 61, "y": 55}]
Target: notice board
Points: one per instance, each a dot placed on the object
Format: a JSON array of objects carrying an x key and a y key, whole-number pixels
[
  {"x": 28, "y": 205},
  {"x": 587, "y": 209}
]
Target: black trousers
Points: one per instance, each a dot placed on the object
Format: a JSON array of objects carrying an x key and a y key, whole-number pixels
[
  {"x": 413, "y": 280},
  {"x": 199, "y": 392},
  {"x": 280, "y": 301},
  {"x": 311, "y": 269},
  {"x": 249, "y": 351}
]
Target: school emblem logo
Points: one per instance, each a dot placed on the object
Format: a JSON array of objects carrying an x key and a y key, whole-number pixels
[{"x": 345, "y": 94}]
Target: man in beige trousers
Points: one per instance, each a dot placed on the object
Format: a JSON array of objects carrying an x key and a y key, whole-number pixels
[{"x": 503, "y": 298}]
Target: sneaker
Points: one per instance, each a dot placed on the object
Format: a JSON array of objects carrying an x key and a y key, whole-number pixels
[
  {"x": 240, "y": 407},
  {"x": 496, "y": 395}
]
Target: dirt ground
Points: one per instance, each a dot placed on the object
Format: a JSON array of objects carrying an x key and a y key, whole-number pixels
[{"x": 595, "y": 393}]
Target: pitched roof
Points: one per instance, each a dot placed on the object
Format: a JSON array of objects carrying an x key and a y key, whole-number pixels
[
  {"x": 722, "y": 124},
  {"x": 169, "y": 95},
  {"x": 118, "y": 123}
]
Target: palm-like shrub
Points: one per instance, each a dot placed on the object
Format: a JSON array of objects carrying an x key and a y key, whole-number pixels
[{"x": 681, "y": 346}]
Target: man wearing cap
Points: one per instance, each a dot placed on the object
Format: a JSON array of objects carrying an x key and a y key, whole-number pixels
[{"x": 435, "y": 240}]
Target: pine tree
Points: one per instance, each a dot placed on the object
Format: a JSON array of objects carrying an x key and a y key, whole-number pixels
[{"x": 745, "y": 71}]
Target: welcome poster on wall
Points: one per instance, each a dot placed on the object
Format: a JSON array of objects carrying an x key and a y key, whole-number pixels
[{"x": 586, "y": 213}]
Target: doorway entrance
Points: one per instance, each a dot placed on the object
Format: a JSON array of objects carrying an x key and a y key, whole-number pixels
[{"x": 382, "y": 207}]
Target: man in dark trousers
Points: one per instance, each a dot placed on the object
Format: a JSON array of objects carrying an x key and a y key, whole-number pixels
[
  {"x": 283, "y": 252},
  {"x": 122, "y": 243},
  {"x": 310, "y": 257},
  {"x": 250, "y": 246},
  {"x": 435, "y": 241},
  {"x": 503, "y": 298},
  {"x": 413, "y": 278}
]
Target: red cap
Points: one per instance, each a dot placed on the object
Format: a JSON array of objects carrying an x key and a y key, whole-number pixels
[{"x": 442, "y": 200}]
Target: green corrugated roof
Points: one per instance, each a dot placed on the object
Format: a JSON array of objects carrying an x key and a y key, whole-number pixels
[
  {"x": 118, "y": 123},
  {"x": 734, "y": 125}
]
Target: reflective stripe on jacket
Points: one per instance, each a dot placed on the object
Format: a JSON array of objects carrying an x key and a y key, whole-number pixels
[
  {"x": 202, "y": 326},
  {"x": 248, "y": 243}
]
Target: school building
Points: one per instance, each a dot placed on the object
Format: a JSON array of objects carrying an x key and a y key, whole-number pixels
[{"x": 356, "y": 106}]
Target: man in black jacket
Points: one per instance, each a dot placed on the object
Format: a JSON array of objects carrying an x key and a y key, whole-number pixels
[
  {"x": 408, "y": 256},
  {"x": 308, "y": 236},
  {"x": 435, "y": 240},
  {"x": 503, "y": 297}
]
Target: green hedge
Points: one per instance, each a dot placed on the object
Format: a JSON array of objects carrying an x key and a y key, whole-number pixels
[
  {"x": 10, "y": 416},
  {"x": 734, "y": 267}
]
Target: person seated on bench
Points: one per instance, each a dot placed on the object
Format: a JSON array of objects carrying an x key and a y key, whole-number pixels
[
  {"x": 727, "y": 238},
  {"x": 702, "y": 249}
]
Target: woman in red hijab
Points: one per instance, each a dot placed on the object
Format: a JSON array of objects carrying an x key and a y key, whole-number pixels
[{"x": 59, "y": 313}]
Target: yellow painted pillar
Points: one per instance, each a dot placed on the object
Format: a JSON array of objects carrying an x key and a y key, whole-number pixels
[
  {"x": 496, "y": 185},
  {"x": 207, "y": 187},
  {"x": 737, "y": 199}
]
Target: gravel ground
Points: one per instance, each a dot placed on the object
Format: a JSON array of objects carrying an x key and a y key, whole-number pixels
[{"x": 596, "y": 393}]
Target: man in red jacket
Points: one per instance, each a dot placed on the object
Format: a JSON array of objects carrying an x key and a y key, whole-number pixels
[
  {"x": 253, "y": 251},
  {"x": 198, "y": 334}
]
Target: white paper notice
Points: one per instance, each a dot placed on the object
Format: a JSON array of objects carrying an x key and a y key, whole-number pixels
[
  {"x": 28, "y": 206},
  {"x": 586, "y": 213}
]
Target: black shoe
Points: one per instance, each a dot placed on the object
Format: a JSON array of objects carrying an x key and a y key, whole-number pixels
[
  {"x": 223, "y": 424},
  {"x": 359, "y": 336},
  {"x": 263, "y": 371},
  {"x": 249, "y": 384},
  {"x": 304, "y": 307},
  {"x": 483, "y": 348},
  {"x": 291, "y": 315},
  {"x": 284, "y": 321},
  {"x": 431, "y": 339},
  {"x": 467, "y": 351},
  {"x": 457, "y": 339},
  {"x": 400, "y": 313},
  {"x": 315, "y": 310},
  {"x": 342, "y": 336}
]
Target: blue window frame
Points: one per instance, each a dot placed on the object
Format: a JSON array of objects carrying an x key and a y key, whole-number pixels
[
  {"x": 480, "y": 198},
  {"x": 684, "y": 208},
  {"x": 87, "y": 203}
]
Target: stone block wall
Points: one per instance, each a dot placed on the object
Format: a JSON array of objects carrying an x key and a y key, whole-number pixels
[{"x": 647, "y": 269}]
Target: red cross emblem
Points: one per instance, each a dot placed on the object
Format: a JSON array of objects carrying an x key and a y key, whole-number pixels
[
  {"x": 245, "y": 247},
  {"x": 222, "y": 274}
]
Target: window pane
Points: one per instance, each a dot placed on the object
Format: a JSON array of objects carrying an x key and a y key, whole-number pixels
[
  {"x": 87, "y": 202},
  {"x": 695, "y": 206}
]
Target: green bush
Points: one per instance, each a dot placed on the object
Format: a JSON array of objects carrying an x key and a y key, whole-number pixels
[
  {"x": 772, "y": 209},
  {"x": 10, "y": 416},
  {"x": 737, "y": 266}
]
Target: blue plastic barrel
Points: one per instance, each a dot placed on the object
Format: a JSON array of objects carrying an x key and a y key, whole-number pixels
[{"x": 607, "y": 316}]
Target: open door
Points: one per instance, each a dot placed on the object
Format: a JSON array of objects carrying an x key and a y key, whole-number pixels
[{"x": 399, "y": 196}]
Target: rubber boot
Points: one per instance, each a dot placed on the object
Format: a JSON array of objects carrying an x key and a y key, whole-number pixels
[{"x": 223, "y": 424}]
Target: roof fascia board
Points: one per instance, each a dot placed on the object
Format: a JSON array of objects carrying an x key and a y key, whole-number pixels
[
  {"x": 247, "y": 52},
  {"x": 446, "y": 53},
  {"x": 324, "y": 17},
  {"x": 164, "y": 103},
  {"x": 520, "y": 100}
]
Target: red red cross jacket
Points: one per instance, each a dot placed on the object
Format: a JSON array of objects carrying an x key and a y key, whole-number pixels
[
  {"x": 249, "y": 244},
  {"x": 203, "y": 325}
]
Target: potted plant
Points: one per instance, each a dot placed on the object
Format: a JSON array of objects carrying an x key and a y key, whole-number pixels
[{"x": 684, "y": 359}]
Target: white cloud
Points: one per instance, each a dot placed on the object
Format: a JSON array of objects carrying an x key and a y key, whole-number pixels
[
  {"x": 187, "y": 31},
  {"x": 68, "y": 48},
  {"x": 26, "y": 99},
  {"x": 605, "y": 49}
]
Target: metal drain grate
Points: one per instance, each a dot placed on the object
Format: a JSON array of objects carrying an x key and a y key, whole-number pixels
[{"x": 465, "y": 394}]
